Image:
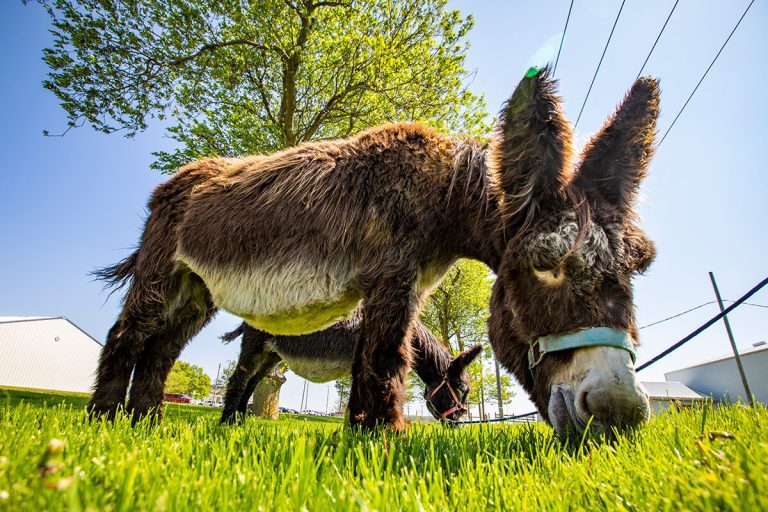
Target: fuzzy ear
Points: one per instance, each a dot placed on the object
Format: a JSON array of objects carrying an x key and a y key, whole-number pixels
[
  {"x": 464, "y": 359},
  {"x": 532, "y": 146},
  {"x": 616, "y": 159}
]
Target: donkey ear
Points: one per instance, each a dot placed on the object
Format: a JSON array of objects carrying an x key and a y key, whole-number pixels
[
  {"x": 616, "y": 159},
  {"x": 532, "y": 146},
  {"x": 464, "y": 359}
]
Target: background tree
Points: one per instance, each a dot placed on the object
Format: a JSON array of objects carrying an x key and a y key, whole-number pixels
[
  {"x": 235, "y": 78},
  {"x": 342, "y": 386},
  {"x": 188, "y": 379},
  {"x": 239, "y": 78},
  {"x": 457, "y": 311},
  {"x": 484, "y": 393}
]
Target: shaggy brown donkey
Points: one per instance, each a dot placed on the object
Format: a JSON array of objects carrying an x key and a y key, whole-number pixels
[
  {"x": 327, "y": 355},
  {"x": 295, "y": 241}
]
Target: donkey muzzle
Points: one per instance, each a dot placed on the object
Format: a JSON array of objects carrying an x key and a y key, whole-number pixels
[{"x": 598, "y": 388}]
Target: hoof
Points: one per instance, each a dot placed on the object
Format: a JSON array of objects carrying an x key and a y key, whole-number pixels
[
  {"x": 362, "y": 421},
  {"x": 98, "y": 411},
  {"x": 235, "y": 418}
]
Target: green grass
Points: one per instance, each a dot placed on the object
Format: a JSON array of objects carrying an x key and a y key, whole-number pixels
[{"x": 189, "y": 462}]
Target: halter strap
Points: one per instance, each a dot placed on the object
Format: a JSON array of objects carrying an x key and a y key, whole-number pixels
[
  {"x": 589, "y": 337},
  {"x": 457, "y": 405}
]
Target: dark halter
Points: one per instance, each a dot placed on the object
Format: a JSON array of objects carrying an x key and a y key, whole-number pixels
[{"x": 457, "y": 405}]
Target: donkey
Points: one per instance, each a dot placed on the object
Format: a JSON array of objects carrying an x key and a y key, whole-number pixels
[
  {"x": 295, "y": 241},
  {"x": 327, "y": 355}
]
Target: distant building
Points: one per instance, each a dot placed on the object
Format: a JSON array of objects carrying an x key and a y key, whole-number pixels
[
  {"x": 665, "y": 395},
  {"x": 47, "y": 353},
  {"x": 719, "y": 378}
]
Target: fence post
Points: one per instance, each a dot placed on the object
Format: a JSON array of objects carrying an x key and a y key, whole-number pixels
[{"x": 733, "y": 343}]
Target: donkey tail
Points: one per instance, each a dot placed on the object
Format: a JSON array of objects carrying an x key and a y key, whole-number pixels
[
  {"x": 118, "y": 275},
  {"x": 232, "y": 335}
]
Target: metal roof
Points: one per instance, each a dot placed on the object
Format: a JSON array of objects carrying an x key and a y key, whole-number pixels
[
  {"x": 5, "y": 319},
  {"x": 742, "y": 353},
  {"x": 670, "y": 390},
  {"x": 14, "y": 319}
]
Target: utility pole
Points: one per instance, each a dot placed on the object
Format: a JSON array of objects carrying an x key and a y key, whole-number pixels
[
  {"x": 327, "y": 397},
  {"x": 498, "y": 388},
  {"x": 733, "y": 343},
  {"x": 304, "y": 396},
  {"x": 216, "y": 385},
  {"x": 482, "y": 389}
]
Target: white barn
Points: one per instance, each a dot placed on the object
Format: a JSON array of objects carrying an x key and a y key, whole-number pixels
[
  {"x": 47, "y": 353},
  {"x": 720, "y": 379}
]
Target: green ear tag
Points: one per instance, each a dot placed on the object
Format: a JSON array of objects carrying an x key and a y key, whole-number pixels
[{"x": 532, "y": 72}]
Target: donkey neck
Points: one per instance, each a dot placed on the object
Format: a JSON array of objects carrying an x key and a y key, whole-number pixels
[
  {"x": 473, "y": 204},
  {"x": 430, "y": 358}
]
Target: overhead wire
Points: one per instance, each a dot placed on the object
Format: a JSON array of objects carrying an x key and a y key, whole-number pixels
[
  {"x": 565, "y": 29},
  {"x": 600, "y": 63},
  {"x": 706, "y": 72},
  {"x": 694, "y": 309},
  {"x": 657, "y": 40}
]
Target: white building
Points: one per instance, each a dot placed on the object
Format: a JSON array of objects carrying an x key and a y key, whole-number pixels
[
  {"x": 665, "y": 395},
  {"x": 47, "y": 353},
  {"x": 719, "y": 378}
]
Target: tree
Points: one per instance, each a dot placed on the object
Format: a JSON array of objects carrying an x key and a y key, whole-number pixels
[
  {"x": 254, "y": 77},
  {"x": 482, "y": 374},
  {"x": 343, "y": 386},
  {"x": 188, "y": 379},
  {"x": 457, "y": 311},
  {"x": 236, "y": 78}
]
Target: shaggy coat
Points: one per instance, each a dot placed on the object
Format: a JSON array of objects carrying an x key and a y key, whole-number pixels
[
  {"x": 327, "y": 355},
  {"x": 295, "y": 241}
]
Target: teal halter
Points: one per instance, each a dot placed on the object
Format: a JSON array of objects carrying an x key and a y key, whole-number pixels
[{"x": 589, "y": 337}]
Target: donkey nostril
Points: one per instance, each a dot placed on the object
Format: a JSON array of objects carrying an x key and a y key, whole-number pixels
[
  {"x": 582, "y": 406},
  {"x": 613, "y": 406}
]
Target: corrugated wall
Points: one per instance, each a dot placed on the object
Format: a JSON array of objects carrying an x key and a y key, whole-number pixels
[
  {"x": 47, "y": 354},
  {"x": 721, "y": 379}
]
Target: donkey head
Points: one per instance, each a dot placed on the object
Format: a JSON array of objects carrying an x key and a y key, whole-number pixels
[
  {"x": 562, "y": 316},
  {"x": 447, "y": 399}
]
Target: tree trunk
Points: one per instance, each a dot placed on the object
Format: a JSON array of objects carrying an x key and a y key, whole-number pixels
[{"x": 266, "y": 396}]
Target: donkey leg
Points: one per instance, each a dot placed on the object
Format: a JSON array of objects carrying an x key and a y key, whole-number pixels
[
  {"x": 116, "y": 363},
  {"x": 163, "y": 348},
  {"x": 251, "y": 353},
  {"x": 265, "y": 363},
  {"x": 382, "y": 355}
]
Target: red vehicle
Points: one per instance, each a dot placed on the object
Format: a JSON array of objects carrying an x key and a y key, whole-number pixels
[{"x": 176, "y": 398}]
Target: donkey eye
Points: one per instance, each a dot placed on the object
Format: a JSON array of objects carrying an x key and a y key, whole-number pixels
[{"x": 553, "y": 276}]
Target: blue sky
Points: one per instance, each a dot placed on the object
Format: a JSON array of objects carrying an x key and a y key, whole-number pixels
[{"x": 68, "y": 205}]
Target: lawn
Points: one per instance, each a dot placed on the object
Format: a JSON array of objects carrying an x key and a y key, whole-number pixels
[{"x": 703, "y": 459}]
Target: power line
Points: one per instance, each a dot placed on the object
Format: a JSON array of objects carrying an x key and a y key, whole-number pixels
[
  {"x": 705, "y": 73},
  {"x": 657, "y": 39},
  {"x": 600, "y": 63},
  {"x": 554, "y": 70},
  {"x": 694, "y": 309},
  {"x": 705, "y": 326}
]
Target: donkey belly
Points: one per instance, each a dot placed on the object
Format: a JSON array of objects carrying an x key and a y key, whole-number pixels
[
  {"x": 318, "y": 369},
  {"x": 287, "y": 299}
]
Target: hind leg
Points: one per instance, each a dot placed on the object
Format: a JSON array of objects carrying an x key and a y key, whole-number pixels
[
  {"x": 252, "y": 365},
  {"x": 116, "y": 363},
  {"x": 162, "y": 349}
]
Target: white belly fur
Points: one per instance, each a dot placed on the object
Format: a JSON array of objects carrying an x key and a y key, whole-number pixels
[
  {"x": 287, "y": 299},
  {"x": 319, "y": 370}
]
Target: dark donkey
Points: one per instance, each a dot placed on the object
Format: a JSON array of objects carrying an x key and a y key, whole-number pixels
[
  {"x": 295, "y": 241},
  {"x": 326, "y": 355}
]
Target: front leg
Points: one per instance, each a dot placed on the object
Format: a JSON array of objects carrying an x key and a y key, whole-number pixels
[{"x": 383, "y": 354}]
